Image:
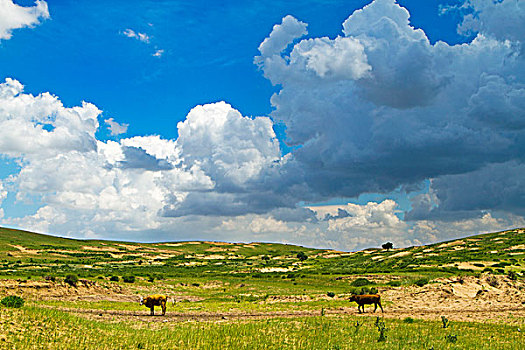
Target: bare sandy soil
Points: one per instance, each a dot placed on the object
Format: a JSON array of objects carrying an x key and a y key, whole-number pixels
[{"x": 488, "y": 298}]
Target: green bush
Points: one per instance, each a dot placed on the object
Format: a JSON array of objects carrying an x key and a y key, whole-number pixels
[
  {"x": 421, "y": 282},
  {"x": 394, "y": 283},
  {"x": 12, "y": 301},
  {"x": 114, "y": 278},
  {"x": 128, "y": 279},
  {"x": 302, "y": 256},
  {"x": 72, "y": 280},
  {"x": 408, "y": 320},
  {"x": 359, "y": 282},
  {"x": 331, "y": 294},
  {"x": 364, "y": 290},
  {"x": 513, "y": 275}
]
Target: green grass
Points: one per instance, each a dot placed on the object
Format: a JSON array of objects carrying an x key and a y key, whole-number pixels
[
  {"x": 42, "y": 255},
  {"x": 34, "y": 327},
  {"x": 239, "y": 278}
]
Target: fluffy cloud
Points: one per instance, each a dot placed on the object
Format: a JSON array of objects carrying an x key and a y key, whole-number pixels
[
  {"x": 497, "y": 187},
  {"x": 116, "y": 128},
  {"x": 377, "y": 108},
  {"x": 501, "y": 19},
  {"x": 390, "y": 109},
  {"x": 213, "y": 168},
  {"x": 130, "y": 33},
  {"x": 234, "y": 152},
  {"x": 281, "y": 36},
  {"x": 35, "y": 125},
  {"x": 13, "y": 16}
]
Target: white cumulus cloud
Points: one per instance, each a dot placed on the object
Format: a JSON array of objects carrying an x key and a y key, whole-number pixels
[{"x": 13, "y": 16}]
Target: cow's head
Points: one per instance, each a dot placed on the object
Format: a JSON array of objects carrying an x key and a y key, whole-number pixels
[{"x": 353, "y": 298}]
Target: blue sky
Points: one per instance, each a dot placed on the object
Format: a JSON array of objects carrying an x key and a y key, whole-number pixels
[
  {"x": 81, "y": 54},
  {"x": 325, "y": 123}
]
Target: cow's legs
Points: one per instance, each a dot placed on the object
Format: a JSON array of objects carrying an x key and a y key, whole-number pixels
[
  {"x": 152, "y": 312},
  {"x": 163, "y": 305},
  {"x": 380, "y": 306},
  {"x": 375, "y": 307}
]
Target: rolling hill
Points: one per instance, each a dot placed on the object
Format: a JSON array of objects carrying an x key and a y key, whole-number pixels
[{"x": 26, "y": 253}]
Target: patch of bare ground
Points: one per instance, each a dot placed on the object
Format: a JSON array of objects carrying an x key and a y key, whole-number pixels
[
  {"x": 487, "y": 298},
  {"x": 49, "y": 290},
  {"x": 380, "y": 279}
]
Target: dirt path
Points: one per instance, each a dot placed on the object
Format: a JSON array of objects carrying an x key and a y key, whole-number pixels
[
  {"x": 508, "y": 315},
  {"x": 487, "y": 298}
]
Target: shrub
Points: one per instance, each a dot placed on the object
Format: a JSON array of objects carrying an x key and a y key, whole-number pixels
[
  {"x": 128, "y": 279},
  {"x": 388, "y": 245},
  {"x": 373, "y": 290},
  {"x": 364, "y": 290},
  {"x": 114, "y": 278},
  {"x": 331, "y": 294},
  {"x": 493, "y": 281},
  {"x": 72, "y": 280},
  {"x": 12, "y": 301},
  {"x": 359, "y": 282},
  {"x": 50, "y": 278},
  {"x": 394, "y": 283},
  {"x": 513, "y": 275},
  {"x": 421, "y": 282},
  {"x": 408, "y": 320},
  {"x": 479, "y": 264},
  {"x": 302, "y": 256}
]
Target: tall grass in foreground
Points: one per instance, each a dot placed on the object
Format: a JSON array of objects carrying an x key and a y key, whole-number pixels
[{"x": 36, "y": 328}]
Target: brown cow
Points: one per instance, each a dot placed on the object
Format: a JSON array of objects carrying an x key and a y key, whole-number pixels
[
  {"x": 155, "y": 300},
  {"x": 361, "y": 300}
]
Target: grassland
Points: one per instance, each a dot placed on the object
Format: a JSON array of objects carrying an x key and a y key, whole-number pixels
[{"x": 261, "y": 295}]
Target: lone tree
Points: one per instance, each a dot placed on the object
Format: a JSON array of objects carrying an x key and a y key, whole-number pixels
[
  {"x": 388, "y": 245},
  {"x": 302, "y": 256}
]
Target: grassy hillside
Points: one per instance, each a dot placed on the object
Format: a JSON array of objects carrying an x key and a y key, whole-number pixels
[
  {"x": 261, "y": 295},
  {"x": 25, "y": 253}
]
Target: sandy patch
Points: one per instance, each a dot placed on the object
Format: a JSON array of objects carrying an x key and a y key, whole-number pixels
[
  {"x": 397, "y": 255},
  {"x": 24, "y": 249},
  {"x": 214, "y": 257},
  {"x": 468, "y": 298},
  {"x": 449, "y": 244},
  {"x": 219, "y": 243},
  {"x": 275, "y": 269},
  {"x": 216, "y": 249},
  {"x": 101, "y": 249},
  {"x": 516, "y": 247}
]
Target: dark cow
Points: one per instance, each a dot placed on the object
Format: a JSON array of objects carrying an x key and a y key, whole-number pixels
[
  {"x": 361, "y": 300},
  {"x": 155, "y": 300}
]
